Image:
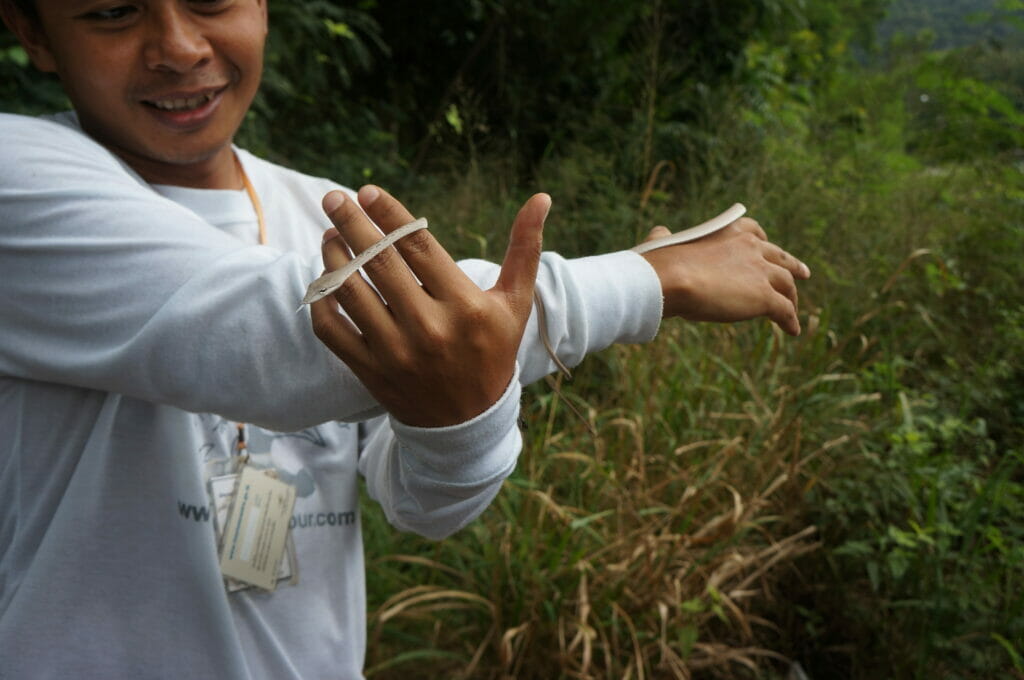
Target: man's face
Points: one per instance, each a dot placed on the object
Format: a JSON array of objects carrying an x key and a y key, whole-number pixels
[{"x": 162, "y": 83}]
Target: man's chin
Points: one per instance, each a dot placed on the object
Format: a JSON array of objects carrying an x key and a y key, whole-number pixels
[{"x": 203, "y": 167}]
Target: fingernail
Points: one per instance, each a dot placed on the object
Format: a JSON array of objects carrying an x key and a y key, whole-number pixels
[
  {"x": 332, "y": 200},
  {"x": 330, "y": 235},
  {"x": 368, "y": 194},
  {"x": 807, "y": 270}
]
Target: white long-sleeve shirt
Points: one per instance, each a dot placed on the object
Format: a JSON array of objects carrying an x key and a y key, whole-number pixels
[{"x": 138, "y": 325}]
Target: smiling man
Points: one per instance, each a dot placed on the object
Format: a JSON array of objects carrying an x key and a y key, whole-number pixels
[{"x": 152, "y": 366}]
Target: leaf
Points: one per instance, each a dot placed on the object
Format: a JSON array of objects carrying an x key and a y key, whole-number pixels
[
  {"x": 1018, "y": 661},
  {"x": 686, "y": 638},
  {"x": 899, "y": 562},
  {"x": 15, "y": 54},
  {"x": 452, "y": 117},
  {"x": 693, "y": 606},
  {"x": 584, "y": 521},
  {"x": 339, "y": 29},
  {"x": 872, "y": 568}
]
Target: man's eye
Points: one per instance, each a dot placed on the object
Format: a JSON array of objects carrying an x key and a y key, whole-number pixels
[
  {"x": 209, "y": 5},
  {"x": 112, "y": 13}
]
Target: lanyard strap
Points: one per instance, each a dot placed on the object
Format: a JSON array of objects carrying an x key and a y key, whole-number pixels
[{"x": 255, "y": 199}]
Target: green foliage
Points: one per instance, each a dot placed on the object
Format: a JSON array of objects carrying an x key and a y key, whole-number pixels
[
  {"x": 931, "y": 523},
  {"x": 956, "y": 23},
  {"x": 22, "y": 90},
  {"x": 956, "y": 117},
  {"x": 903, "y": 427},
  {"x": 304, "y": 112}
]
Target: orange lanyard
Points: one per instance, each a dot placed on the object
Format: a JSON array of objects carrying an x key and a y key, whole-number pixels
[
  {"x": 261, "y": 221},
  {"x": 255, "y": 199}
]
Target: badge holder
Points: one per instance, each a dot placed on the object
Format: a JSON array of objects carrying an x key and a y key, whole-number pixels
[{"x": 253, "y": 510}]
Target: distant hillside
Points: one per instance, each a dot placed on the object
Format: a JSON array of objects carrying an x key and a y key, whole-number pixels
[{"x": 956, "y": 23}]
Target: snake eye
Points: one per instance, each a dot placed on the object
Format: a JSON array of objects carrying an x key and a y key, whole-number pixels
[{"x": 323, "y": 290}]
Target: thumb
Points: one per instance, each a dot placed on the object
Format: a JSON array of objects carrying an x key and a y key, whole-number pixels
[
  {"x": 519, "y": 268},
  {"x": 657, "y": 232}
]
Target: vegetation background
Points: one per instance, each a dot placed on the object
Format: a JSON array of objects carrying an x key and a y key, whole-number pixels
[{"x": 724, "y": 502}]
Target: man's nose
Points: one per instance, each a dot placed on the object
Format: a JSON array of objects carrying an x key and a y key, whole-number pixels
[{"x": 175, "y": 41}]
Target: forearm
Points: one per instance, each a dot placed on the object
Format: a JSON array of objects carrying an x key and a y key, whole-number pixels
[
  {"x": 590, "y": 303},
  {"x": 434, "y": 481}
]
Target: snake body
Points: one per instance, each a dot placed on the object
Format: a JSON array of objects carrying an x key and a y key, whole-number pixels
[
  {"x": 694, "y": 233},
  {"x": 331, "y": 281}
]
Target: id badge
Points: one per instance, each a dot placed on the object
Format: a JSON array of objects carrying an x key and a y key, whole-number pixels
[{"x": 252, "y": 511}]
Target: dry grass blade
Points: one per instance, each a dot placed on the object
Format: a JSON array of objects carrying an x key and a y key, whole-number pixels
[
  {"x": 710, "y": 655},
  {"x": 511, "y": 639},
  {"x": 420, "y": 561},
  {"x": 638, "y": 655},
  {"x": 419, "y": 595}
]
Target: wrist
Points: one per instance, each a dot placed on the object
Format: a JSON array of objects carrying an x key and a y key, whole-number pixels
[{"x": 678, "y": 283}]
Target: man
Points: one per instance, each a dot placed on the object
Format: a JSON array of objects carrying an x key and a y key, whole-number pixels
[{"x": 151, "y": 351}]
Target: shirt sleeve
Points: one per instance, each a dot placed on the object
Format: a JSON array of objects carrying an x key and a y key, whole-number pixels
[
  {"x": 435, "y": 481},
  {"x": 590, "y": 303},
  {"x": 110, "y": 286}
]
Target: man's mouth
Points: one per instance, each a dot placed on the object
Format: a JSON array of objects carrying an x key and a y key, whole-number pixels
[
  {"x": 181, "y": 103},
  {"x": 184, "y": 110}
]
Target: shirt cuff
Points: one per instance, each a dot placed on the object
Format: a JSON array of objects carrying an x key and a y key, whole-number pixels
[
  {"x": 478, "y": 450},
  {"x": 621, "y": 286}
]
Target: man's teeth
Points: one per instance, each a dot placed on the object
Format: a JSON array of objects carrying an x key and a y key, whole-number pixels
[{"x": 183, "y": 104}]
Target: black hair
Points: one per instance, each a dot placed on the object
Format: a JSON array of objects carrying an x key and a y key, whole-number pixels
[{"x": 27, "y": 7}]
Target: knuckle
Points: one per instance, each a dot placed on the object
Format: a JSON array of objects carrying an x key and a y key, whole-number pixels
[
  {"x": 750, "y": 239},
  {"x": 385, "y": 262},
  {"x": 433, "y": 335},
  {"x": 321, "y": 328},
  {"x": 402, "y": 361},
  {"x": 348, "y": 291},
  {"x": 417, "y": 243},
  {"x": 753, "y": 227},
  {"x": 473, "y": 311},
  {"x": 429, "y": 332},
  {"x": 783, "y": 308},
  {"x": 534, "y": 247},
  {"x": 325, "y": 331}
]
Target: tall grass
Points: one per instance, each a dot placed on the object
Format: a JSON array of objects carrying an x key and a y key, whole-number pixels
[{"x": 726, "y": 501}]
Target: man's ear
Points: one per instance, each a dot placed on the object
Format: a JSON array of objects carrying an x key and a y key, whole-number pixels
[{"x": 31, "y": 36}]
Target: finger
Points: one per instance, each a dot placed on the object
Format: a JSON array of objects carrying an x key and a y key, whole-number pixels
[
  {"x": 782, "y": 311},
  {"x": 359, "y": 300},
  {"x": 519, "y": 268},
  {"x": 782, "y": 281},
  {"x": 387, "y": 270},
  {"x": 745, "y": 224},
  {"x": 777, "y": 255},
  {"x": 427, "y": 258},
  {"x": 338, "y": 333}
]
